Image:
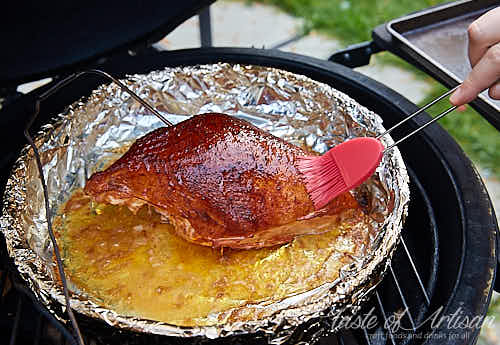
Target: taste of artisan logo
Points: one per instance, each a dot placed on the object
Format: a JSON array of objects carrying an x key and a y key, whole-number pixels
[{"x": 458, "y": 320}]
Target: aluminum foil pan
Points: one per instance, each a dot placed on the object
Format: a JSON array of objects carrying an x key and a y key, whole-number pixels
[{"x": 288, "y": 105}]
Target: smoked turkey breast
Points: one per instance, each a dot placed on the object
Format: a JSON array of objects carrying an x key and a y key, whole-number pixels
[{"x": 220, "y": 182}]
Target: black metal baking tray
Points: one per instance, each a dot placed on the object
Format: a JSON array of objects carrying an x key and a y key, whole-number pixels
[{"x": 435, "y": 40}]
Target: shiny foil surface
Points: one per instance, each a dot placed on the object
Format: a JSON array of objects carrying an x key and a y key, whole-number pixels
[{"x": 89, "y": 135}]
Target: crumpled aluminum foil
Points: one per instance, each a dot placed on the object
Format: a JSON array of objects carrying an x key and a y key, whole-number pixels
[{"x": 300, "y": 110}]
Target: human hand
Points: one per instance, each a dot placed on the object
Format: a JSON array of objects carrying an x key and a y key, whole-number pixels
[{"x": 484, "y": 57}]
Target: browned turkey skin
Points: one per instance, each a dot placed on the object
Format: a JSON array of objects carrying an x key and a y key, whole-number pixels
[{"x": 220, "y": 182}]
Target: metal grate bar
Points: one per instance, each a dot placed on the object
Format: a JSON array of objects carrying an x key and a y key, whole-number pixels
[
  {"x": 15, "y": 327},
  {"x": 381, "y": 306},
  {"x": 289, "y": 41},
  {"x": 403, "y": 299},
  {"x": 367, "y": 336},
  {"x": 205, "y": 27},
  {"x": 420, "y": 283}
]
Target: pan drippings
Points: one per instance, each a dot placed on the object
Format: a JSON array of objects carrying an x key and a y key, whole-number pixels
[{"x": 136, "y": 265}]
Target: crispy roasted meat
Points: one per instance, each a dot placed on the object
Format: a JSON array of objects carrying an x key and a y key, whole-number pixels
[{"x": 220, "y": 182}]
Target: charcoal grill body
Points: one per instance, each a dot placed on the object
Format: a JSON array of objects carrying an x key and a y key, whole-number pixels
[
  {"x": 450, "y": 230},
  {"x": 450, "y": 233}
]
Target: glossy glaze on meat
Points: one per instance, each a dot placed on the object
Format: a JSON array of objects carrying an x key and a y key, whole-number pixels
[{"x": 220, "y": 182}]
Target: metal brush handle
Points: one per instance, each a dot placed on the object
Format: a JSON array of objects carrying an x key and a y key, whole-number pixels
[
  {"x": 430, "y": 104},
  {"x": 43, "y": 96}
]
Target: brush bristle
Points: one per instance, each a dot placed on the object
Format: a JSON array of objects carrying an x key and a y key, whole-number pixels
[{"x": 323, "y": 179}]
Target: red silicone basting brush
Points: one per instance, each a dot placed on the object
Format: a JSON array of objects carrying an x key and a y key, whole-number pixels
[
  {"x": 344, "y": 167},
  {"x": 349, "y": 164}
]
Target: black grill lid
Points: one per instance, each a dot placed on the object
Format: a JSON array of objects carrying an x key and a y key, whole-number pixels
[{"x": 46, "y": 38}]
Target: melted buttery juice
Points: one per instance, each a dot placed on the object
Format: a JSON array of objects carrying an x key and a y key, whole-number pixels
[{"x": 136, "y": 265}]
